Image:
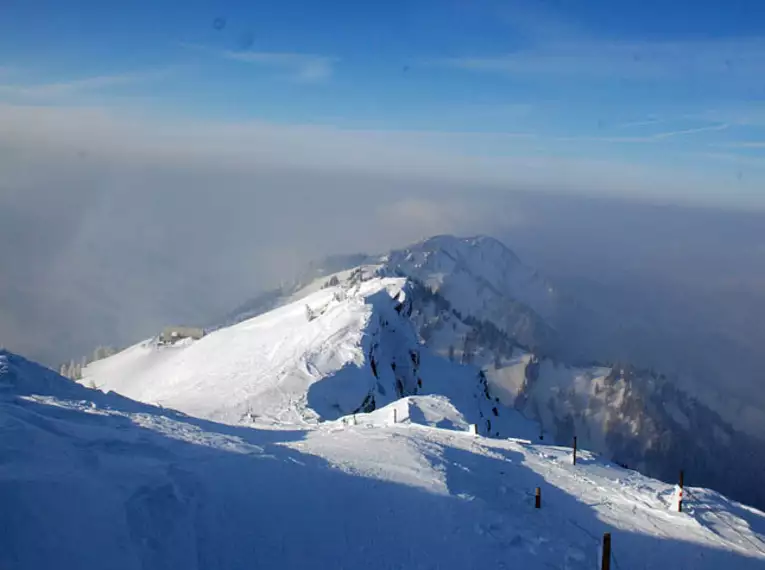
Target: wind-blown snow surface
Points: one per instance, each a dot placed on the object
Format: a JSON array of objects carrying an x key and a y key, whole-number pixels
[{"x": 93, "y": 480}]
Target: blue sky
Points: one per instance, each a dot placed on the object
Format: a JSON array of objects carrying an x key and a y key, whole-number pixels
[{"x": 668, "y": 87}]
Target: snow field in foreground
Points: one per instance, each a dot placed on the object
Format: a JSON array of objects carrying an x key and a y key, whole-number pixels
[{"x": 89, "y": 480}]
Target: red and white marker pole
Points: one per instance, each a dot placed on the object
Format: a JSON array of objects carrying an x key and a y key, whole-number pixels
[{"x": 680, "y": 494}]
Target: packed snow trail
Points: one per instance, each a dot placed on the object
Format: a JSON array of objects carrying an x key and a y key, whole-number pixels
[{"x": 93, "y": 480}]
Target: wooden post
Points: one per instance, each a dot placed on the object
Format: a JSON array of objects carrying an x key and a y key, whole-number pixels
[
  {"x": 574, "y": 450},
  {"x": 394, "y": 415},
  {"x": 538, "y": 498},
  {"x": 680, "y": 495},
  {"x": 605, "y": 563}
]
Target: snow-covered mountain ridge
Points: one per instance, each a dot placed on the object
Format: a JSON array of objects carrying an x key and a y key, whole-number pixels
[
  {"x": 459, "y": 317},
  {"x": 91, "y": 480},
  {"x": 309, "y": 360},
  {"x": 339, "y": 348}
]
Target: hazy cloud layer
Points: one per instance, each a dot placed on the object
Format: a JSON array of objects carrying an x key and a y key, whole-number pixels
[{"x": 430, "y": 155}]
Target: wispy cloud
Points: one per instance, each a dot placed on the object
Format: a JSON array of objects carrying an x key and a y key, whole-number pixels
[
  {"x": 710, "y": 128},
  {"x": 301, "y": 66},
  {"x": 307, "y": 67},
  {"x": 744, "y": 114},
  {"x": 736, "y": 59},
  {"x": 71, "y": 87},
  {"x": 640, "y": 123},
  {"x": 651, "y": 138},
  {"x": 742, "y": 144}
]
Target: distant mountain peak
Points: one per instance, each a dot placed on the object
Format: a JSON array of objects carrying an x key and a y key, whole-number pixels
[{"x": 468, "y": 245}]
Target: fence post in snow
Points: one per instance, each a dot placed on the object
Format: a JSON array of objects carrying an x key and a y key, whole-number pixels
[
  {"x": 473, "y": 429},
  {"x": 680, "y": 494},
  {"x": 538, "y": 498},
  {"x": 574, "y": 456},
  {"x": 394, "y": 415},
  {"x": 605, "y": 563}
]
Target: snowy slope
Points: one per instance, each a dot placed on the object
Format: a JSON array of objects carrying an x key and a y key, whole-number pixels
[
  {"x": 307, "y": 360},
  {"x": 93, "y": 480}
]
